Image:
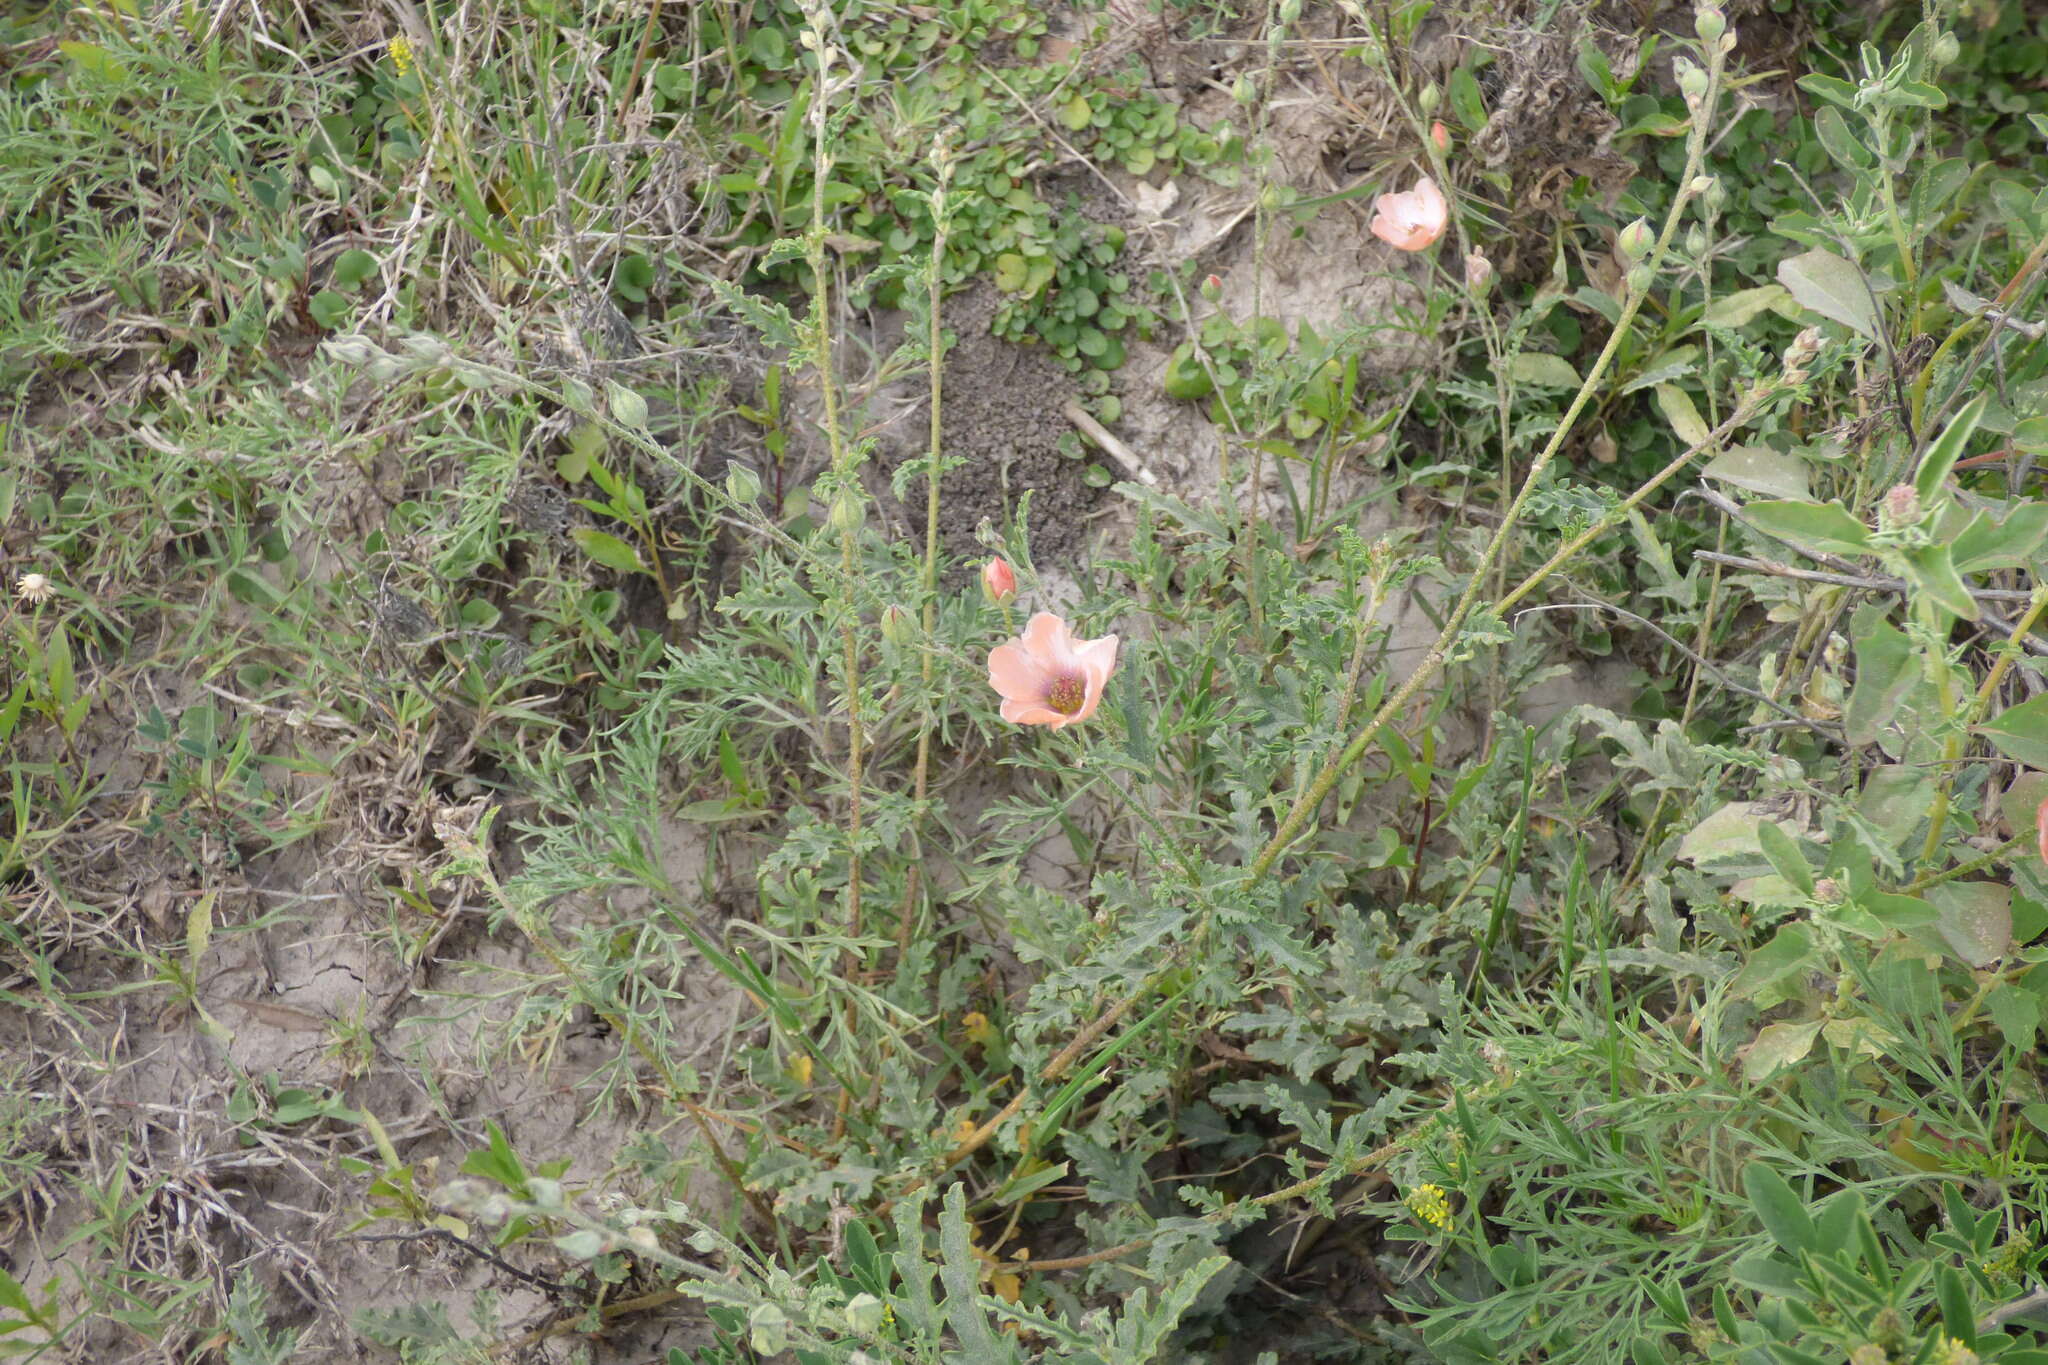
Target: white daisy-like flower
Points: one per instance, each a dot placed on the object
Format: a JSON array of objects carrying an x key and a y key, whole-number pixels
[{"x": 33, "y": 588}]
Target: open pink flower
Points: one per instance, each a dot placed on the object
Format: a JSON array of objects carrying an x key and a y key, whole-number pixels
[
  {"x": 1048, "y": 677},
  {"x": 1413, "y": 220}
]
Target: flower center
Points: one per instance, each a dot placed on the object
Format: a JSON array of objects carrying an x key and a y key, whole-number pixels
[{"x": 1066, "y": 695}]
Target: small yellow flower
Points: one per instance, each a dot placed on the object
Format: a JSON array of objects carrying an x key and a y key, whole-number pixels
[
  {"x": 33, "y": 588},
  {"x": 978, "y": 1029},
  {"x": 1953, "y": 1352},
  {"x": 1427, "y": 1202},
  {"x": 401, "y": 54}
]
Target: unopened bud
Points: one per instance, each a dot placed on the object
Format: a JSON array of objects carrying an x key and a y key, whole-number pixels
[
  {"x": 847, "y": 514},
  {"x": 1695, "y": 242},
  {"x": 865, "y": 1314},
  {"x": 1803, "y": 349},
  {"x": 1692, "y": 82},
  {"x": 1902, "y": 505},
  {"x": 742, "y": 484},
  {"x": 1636, "y": 239},
  {"x": 998, "y": 581},
  {"x": 1701, "y": 184},
  {"x": 1710, "y": 24},
  {"x": 1440, "y": 136},
  {"x": 1478, "y": 274},
  {"x": 1290, "y": 10},
  {"x": 897, "y": 627},
  {"x": 351, "y": 350},
  {"x": 1945, "y": 49},
  {"x": 1212, "y": 287},
  {"x": 1427, "y": 99},
  {"x": 425, "y": 346},
  {"x": 1243, "y": 91},
  {"x": 1640, "y": 277}
]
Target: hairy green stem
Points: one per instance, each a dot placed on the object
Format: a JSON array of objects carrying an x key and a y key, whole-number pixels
[
  {"x": 844, "y": 462},
  {"x": 935, "y": 371}
]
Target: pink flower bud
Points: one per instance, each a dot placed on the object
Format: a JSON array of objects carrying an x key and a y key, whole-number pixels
[
  {"x": 1478, "y": 272},
  {"x": 1902, "y": 504},
  {"x": 998, "y": 580},
  {"x": 1441, "y": 136}
]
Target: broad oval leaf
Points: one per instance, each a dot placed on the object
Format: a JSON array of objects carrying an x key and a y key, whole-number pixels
[
  {"x": 1744, "y": 305},
  {"x": 1985, "y": 544},
  {"x": 607, "y": 549},
  {"x": 1827, "y": 527},
  {"x": 1976, "y": 919},
  {"x": 1777, "y": 1047},
  {"x": 1826, "y": 284},
  {"x": 1839, "y": 142},
  {"x": 1759, "y": 469},
  {"x": 1887, "y": 666},
  {"x": 1684, "y": 418},
  {"x": 1539, "y": 367},
  {"x": 1789, "y": 951},
  {"x": 1780, "y": 1209}
]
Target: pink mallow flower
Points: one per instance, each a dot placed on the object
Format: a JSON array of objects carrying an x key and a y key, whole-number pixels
[
  {"x": 1413, "y": 220},
  {"x": 1047, "y": 677}
]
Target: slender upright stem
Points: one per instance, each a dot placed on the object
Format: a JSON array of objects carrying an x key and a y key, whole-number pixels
[
  {"x": 845, "y": 464},
  {"x": 936, "y": 372}
]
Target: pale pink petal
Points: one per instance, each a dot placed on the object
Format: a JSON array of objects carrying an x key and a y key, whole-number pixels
[
  {"x": 1097, "y": 657},
  {"x": 1431, "y": 210},
  {"x": 1389, "y": 227},
  {"x": 1098, "y": 661},
  {"x": 1030, "y": 713},
  {"x": 1048, "y": 639},
  {"x": 1014, "y": 672},
  {"x": 1045, "y": 631}
]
